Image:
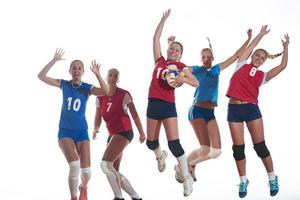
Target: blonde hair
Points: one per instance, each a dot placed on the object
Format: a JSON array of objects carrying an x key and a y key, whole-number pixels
[
  {"x": 72, "y": 63},
  {"x": 210, "y": 49}
]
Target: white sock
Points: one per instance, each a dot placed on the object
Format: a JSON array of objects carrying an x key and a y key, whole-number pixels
[
  {"x": 183, "y": 166},
  {"x": 112, "y": 177},
  {"x": 127, "y": 187},
  {"x": 271, "y": 176},
  {"x": 243, "y": 178},
  {"x": 157, "y": 152},
  {"x": 85, "y": 176}
]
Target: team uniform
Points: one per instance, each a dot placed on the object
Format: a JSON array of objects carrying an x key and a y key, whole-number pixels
[
  {"x": 206, "y": 91},
  {"x": 244, "y": 86},
  {"x": 72, "y": 122},
  {"x": 161, "y": 98},
  {"x": 113, "y": 110}
]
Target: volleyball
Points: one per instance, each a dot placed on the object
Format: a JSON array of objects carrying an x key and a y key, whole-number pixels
[{"x": 172, "y": 75}]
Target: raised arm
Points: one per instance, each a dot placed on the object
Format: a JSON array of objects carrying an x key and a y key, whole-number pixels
[
  {"x": 276, "y": 70},
  {"x": 237, "y": 54},
  {"x": 137, "y": 121},
  {"x": 97, "y": 123},
  {"x": 248, "y": 50},
  {"x": 43, "y": 73},
  {"x": 103, "y": 87},
  {"x": 157, "y": 34}
]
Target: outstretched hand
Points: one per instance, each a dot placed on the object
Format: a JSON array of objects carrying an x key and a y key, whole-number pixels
[
  {"x": 59, "y": 54},
  {"x": 249, "y": 33},
  {"x": 95, "y": 67},
  {"x": 264, "y": 30},
  {"x": 171, "y": 39},
  {"x": 286, "y": 42},
  {"x": 166, "y": 14}
]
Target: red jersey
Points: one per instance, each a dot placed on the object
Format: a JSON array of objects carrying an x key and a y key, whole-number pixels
[
  {"x": 113, "y": 110},
  {"x": 159, "y": 88},
  {"x": 245, "y": 82}
]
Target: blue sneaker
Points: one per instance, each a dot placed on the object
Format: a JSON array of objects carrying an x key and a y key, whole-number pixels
[
  {"x": 274, "y": 187},
  {"x": 243, "y": 188}
]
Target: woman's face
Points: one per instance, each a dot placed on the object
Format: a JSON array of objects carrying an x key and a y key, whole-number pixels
[
  {"x": 76, "y": 70},
  {"x": 206, "y": 57},
  {"x": 112, "y": 77},
  {"x": 174, "y": 52},
  {"x": 258, "y": 57}
]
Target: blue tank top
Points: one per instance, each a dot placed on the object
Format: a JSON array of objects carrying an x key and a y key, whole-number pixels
[
  {"x": 208, "y": 83},
  {"x": 72, "y": 115}
]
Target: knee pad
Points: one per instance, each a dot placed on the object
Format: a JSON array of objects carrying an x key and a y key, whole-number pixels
[
  {"x": 238, "y": 152},
  {"x": 74, "y": 169},
  {"x": 107, "y": 167},
  {"x": 214, "y": 153},
  {"x": 261, "y": 150},
  {"x": 152, "y": 144},
  {"x": 86, "y": 172},
  {"x": 176, "y": 148}
]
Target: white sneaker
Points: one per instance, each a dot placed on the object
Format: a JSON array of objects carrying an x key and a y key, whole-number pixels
[
  {"x": 161, "y": 161},
  {"x": 188, "y": 185},
  {"x": 178, "y": 176}
]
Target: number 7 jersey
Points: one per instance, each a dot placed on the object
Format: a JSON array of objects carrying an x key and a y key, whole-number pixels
[
  {"x": 113, "y": 109},
  {"x": 73, "y": 108}
]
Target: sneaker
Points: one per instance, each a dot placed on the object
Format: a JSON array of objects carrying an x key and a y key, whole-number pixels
[
  {"x": 161, "y": 161},
  {"x": 274, "y": 187},
  {"x": 243, "y": 188},
  {"x": 83, "y": 193},
  {"x": 136, "y": 199},
  {"x": 178, "y": 176},
  {"x": 192, "y": 172},
  {"x": 118, "y": 198},
  {"x": 188, "y": 185}
]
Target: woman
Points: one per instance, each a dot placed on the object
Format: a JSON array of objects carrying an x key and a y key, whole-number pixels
[
  {"x": 243, "y": 107},
  {"x": 201, "y": 114},
  {"x": 161, "y": 105},
  {"x": 73, "y": 138},
  {"x": 113, "y": 109}
]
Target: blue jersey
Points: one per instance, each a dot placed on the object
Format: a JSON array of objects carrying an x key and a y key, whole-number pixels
[
  {"x": 72, "y": 115},
  {"x": 208, "y": 83}
]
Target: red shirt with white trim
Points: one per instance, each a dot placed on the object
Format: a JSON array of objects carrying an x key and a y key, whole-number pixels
[
  {"x": 245, "y": 82},
  {"x": 159, "y": 87},
  {"x": 113, "y": 110}
]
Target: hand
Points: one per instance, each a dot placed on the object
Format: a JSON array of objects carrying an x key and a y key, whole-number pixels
[
  {"x": 285, "y": 42},
  {"x": 166, "y": 14},
  {"x": 171, "y": 39},
  {"x": 264, "y": 30},
  {"x": 58, "y": 54},
  {"x": 142, "y": 138},
  {"x": 95, "y": 67},
  {"x": 249, "y": 33},
  {"x": 95, "y": 132}
]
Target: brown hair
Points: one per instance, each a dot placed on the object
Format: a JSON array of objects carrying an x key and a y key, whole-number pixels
[{"x": 268, "y": 55}]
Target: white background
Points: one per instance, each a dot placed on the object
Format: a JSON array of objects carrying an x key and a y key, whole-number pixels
[{"x": 119, "y": 34}]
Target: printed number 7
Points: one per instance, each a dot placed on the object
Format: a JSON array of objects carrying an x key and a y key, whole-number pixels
[{"x": 108, "y": 107}]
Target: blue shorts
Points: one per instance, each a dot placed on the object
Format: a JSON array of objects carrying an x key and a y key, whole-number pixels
[
  {"x": 243, "y": 112},
  {"x": 76, "y": 136},
  {"x": 159, "y": 109},
  {"x": 197, "y": 112},
  {"x": 126, "y": 134}
]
